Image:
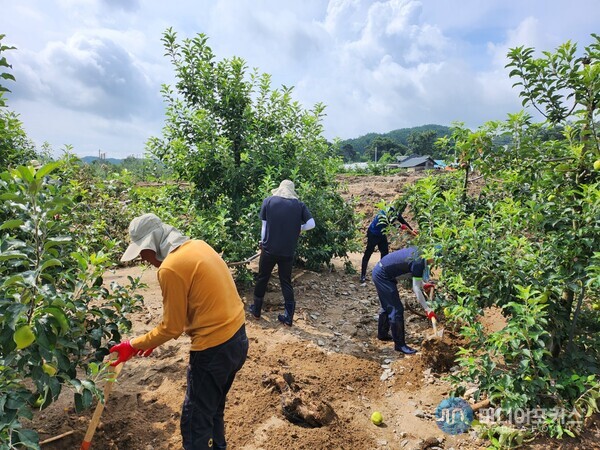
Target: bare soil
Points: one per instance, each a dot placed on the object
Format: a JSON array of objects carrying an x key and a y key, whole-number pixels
[{"x": 331, "y": 354}]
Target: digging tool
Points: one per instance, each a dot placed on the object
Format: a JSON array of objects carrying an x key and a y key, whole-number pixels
[
  {"x": 246, "y": 261},
  {"x": 113, "y": 374},
  {"x": 437, "y": 334},
  {"x": 482, "y": 404}
]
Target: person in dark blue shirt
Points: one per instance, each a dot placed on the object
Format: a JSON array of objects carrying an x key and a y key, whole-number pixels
[
  {"x": 405, "y": 263},
  {"x": 283, "y": 218},
  {"x": 376, "y": 236}
]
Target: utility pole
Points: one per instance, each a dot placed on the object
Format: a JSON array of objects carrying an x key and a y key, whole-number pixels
[{"x": 375, "y": 153}]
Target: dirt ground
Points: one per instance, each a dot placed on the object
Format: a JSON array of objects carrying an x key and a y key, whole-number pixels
[{"x": 331, "y": 352}]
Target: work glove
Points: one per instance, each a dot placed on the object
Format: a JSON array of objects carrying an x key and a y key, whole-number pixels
[
  {"x": 428, "y": 286},
  {"x": 405, "y": 228},
  {"x": 431, "y": 315},
  {"x": 126, "y": 352}
]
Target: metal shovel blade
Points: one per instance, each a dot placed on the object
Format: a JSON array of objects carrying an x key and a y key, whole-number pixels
[{"x": 437, "y": 333}]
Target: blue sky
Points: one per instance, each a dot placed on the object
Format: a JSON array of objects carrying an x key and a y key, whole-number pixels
[{"x": 89, "y": 72}]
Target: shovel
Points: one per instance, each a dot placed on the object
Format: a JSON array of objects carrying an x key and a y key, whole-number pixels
[
  {"x": 87, "y": 440},
  {"x": 246, "y": 261},
  {"x": 437, "y": 334}
]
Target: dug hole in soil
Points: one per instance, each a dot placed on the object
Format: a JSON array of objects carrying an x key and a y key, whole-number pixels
[{"x": 311, "y": 386}]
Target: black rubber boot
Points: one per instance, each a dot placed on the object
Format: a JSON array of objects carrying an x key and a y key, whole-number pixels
[
  {"x": 256, "y": 308},
  {"x": 284, "y": 320},
  {"x": 383, "y": 327},
  {"x": 290, "y": 308},
  {"x": 400, "y": 338},
  {"x": 398, "y": 335}
]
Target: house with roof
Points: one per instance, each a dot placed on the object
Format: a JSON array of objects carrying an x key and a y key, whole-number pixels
[{"x": 414, "y": 163}]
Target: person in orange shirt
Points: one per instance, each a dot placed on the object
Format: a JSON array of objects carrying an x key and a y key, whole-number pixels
[{"x": 200, "y": 299}]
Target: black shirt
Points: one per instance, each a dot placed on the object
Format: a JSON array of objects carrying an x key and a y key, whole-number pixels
[{"x": 284, "y": 217}]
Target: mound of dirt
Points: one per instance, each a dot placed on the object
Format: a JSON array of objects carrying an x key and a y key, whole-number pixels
[{"x": 438, "y": 354}]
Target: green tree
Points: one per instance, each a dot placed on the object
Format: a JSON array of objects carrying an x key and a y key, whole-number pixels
[
  {"x": 3, "y": 66},
  {"x": 383, "y": 146},
  {"x": 145, "y": 169},
  {"x": 348, "y": 153},
  {"x": 56, "y": 315},
  {"x": 526, "y": 242},
  {"x": 15, "y": 147},
  {"x": 234, "y": 139},
  {"x": 422, "y": 143}
]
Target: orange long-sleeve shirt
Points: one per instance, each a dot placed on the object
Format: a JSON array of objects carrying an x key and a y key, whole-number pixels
[{"x": 199, "y": 298}]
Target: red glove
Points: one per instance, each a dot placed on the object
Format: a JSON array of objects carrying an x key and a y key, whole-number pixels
[
  {"x": 405, "y": 228},
  {"x": 431, "y": 315},
  {"x": 126, "y": 351},
  {"x": 146, "y": 353},
  {"x": 427, "y": 286}
]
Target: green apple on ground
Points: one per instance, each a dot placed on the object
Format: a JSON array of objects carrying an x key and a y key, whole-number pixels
[
  {"x": 377, "y": 418},
  {"x": 597, "y": 164}
]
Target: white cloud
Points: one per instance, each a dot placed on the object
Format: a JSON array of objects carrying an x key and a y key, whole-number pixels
[
  {"x": 89, "y": 71},
  {"x": 86, "y": 73}
]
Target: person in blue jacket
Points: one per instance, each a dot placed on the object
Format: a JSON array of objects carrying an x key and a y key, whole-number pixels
[
  {"x": 405, "y": 263},
  {"x": 376, "y": 236}
]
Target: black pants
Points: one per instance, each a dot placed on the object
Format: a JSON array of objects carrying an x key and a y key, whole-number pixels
[
  {"x": 373, "y": 241},
  {"x": 209, "y": 377},
  {"x": 284, "y": 266}
]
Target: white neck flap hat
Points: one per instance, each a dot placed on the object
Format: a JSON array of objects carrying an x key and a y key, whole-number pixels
[
  {"x": 285, "y": 190},
  {"x": 148, "y": 232}
]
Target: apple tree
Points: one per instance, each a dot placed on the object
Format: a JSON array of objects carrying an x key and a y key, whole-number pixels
[
  {"x": 57, "y": 317},
  {"x": 519, "y": 231},
  {"x": 15, "y": 146},
  {"x": 234, "y": 138}
]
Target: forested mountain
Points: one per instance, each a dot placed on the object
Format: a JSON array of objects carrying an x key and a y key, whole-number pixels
[{"x": 404, "y": 141}]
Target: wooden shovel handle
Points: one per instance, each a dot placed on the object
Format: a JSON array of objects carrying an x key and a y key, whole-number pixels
[
  {"x": 482, "y": 404},
  {"x": 113, "y": 373},
  {"x": 246, "y": 261}
]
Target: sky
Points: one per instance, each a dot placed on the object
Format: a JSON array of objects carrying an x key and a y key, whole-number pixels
[{"x": 89, "y": 72}]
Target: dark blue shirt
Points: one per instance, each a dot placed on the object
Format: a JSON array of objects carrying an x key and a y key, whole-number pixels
[
  {"x": 284, "y": 217},
  {"x": 404, "y": 261},
  {"x": 377, "y": 225}
]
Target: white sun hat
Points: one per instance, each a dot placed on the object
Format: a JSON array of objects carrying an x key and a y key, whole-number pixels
[
  {"x": 149, "y": 232},
  {"x": 285, "y": 190}
]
